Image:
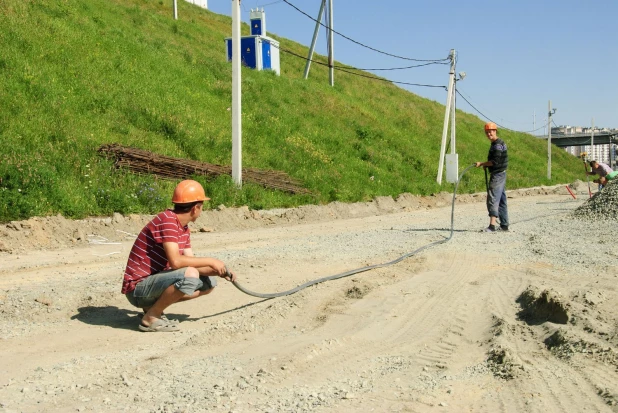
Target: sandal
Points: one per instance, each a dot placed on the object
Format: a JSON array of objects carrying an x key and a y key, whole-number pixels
[
  {"x": 163, "y": 317},
  {"x": 159, "y": 326}
]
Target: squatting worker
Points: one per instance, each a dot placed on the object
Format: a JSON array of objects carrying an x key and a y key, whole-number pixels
[
  {"x": 162, "y": 270},
  {"x": 497, "y": 163},
  {"x": 601, "y": 169}
]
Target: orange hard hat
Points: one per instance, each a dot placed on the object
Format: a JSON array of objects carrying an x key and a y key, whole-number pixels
[
  {"x": 490, "y": 126},
  {"x": 189, "y": 191}
]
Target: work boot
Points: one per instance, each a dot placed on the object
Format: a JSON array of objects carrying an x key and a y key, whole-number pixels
[
  {"x": 491, "y": 228},
  {"x": 504, "y": 228}
]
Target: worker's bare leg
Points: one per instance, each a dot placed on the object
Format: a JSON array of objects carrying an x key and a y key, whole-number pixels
[
  {"x": 196, "y": 294},
  {"x": 203, "y": 271},
  {"x": 170, "y": 296}
]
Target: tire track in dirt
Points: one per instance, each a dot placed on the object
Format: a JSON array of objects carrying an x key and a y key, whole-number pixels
[{"x": 393, "y": 348}]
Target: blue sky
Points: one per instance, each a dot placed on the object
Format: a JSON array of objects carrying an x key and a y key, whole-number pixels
[{"x": 517, "y": 54}]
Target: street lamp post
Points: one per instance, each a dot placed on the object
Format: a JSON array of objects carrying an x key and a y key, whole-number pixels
[{"x": 549, "y": 113}]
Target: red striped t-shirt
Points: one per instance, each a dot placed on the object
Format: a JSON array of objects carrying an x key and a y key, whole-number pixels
[{"x": 147, "y": 256}]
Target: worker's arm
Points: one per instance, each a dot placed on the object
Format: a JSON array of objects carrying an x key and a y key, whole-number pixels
[
  {"x": 488, "y": 163},
  {"x": 187, "y": 259}
]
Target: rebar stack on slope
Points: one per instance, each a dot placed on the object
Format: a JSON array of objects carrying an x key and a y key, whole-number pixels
[{"x": 141, "y": 161}]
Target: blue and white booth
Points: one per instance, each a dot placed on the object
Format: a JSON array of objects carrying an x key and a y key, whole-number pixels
[{"x": 257, "y": 51}]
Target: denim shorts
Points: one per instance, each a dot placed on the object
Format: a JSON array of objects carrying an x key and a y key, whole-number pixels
[{"x": 148, "y": 291}]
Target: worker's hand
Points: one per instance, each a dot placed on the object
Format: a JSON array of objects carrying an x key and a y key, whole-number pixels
[
  {"x": 219, "y": 267},
  {"x": 478, "y": 164},
  {"x": 229, "y": 275}
]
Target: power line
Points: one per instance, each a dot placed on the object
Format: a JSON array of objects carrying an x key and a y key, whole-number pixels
[
  {"x": 368, "y": 69},
  {"x": 391, "y": 81},
  {"x": 270, "y": 4},
  {"x": 342, "y": 69},
  {"x": 502, "y": 119},
  {"x": 258, "y": 5},
  {"x": 398, "y": 68},
  {"x": 361, "y": 44},
  {"x": 489, "y": 119}
]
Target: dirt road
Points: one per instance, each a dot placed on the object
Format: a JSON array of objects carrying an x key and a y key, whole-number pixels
[{"x": 523, "y": 321}]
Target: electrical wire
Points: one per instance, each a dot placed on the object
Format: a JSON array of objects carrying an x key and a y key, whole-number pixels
[
  {"x": 502, "y": 119},
  {"x": 489, "y": 119},
  {"x": 361, "y": 69},
  {"x": 361, "y": 44},
  {"x": 391, "y": 81},
  {"x": 362, "y": 269},
  {"x": 341, "y": 68},
  {"x": 269, "y": 4},
  {"x": 395, "y": 68}
]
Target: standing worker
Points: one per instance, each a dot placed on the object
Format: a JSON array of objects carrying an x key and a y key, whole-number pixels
[
  {"x": 496, "y": 164},
  {"x": 162, "y": 270},
  {"x": 601, "y": 169}
]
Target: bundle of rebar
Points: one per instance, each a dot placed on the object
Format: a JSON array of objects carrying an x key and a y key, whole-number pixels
[{"x": 141, "y": 161}]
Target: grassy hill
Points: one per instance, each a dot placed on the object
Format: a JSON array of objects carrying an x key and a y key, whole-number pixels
[{"x": 76, "y": 74}]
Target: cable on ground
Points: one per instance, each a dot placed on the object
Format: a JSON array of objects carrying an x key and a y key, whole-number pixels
[{"x": 362, "y": 269}]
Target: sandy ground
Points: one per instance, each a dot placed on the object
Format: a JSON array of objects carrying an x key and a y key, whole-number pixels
[{"x": 519, "y": 321}]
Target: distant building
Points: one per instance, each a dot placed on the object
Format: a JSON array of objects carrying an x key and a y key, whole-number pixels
[
  {"x": 202, "y": 3},
  {"x": 566, "y": 130},
  {"x": 602, "y": 153}
]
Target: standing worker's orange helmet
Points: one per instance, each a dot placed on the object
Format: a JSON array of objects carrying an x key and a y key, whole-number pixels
[
  {"x": 189, "y": 191},
  {"x": 490, "y": 126}
]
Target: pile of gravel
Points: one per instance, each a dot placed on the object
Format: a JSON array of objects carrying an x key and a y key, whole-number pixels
[{"x": 602, "y": 206}]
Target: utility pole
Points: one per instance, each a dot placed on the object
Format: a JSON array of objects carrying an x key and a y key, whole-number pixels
[
  {"x": 449, "y": 100},
  {"x": 592, "y": 140},
  {"x": 315, "y": 38},
  {"x": 175, "y": 9},
  {"x": 236, "y": 96},
  {"x": 534, "y": 120},
  {"x": 453, "y": 105},
  {"x": 331, "y": 52},
  {"x": 550, "y": 112}
]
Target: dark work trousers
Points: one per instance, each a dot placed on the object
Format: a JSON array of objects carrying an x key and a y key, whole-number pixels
[{"x": 496, "y": 198}]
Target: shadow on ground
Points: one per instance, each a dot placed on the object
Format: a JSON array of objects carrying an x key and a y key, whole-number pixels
[
  {"x": 110, "y": 316},
  {"x": 121, "y": 318}
]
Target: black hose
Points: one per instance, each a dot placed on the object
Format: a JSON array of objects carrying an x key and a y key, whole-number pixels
[
  {"x": 486, "y": 187},
  {"x": 362, "y": 269}
]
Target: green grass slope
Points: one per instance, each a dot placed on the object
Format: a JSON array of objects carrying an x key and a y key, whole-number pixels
[{"x": 76, "y": 74}]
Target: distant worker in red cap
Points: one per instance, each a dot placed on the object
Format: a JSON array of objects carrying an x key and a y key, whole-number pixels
[
  {"x": 162, "y": 270},
  {"x": 497, "y": 163}
]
